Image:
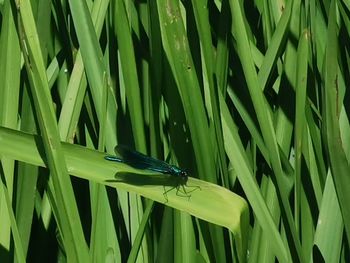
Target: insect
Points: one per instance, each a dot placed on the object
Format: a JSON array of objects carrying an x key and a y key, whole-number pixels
[{"x": 138, "y": 160}]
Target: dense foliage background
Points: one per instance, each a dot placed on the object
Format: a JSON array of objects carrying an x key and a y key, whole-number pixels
[{"x": 251, "y": 97}]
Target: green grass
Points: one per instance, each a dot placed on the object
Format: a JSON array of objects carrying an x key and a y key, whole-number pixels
[{"x": 250, "y": 97}]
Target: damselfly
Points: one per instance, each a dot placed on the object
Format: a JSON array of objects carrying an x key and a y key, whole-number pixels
[{"x": 141, "y": 161}]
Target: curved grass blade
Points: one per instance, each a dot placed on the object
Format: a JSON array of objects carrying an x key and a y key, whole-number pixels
[{"x": 213, "y": 203}]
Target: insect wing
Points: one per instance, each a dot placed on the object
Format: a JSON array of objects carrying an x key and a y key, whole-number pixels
[{"x": 141, "y": 161}]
